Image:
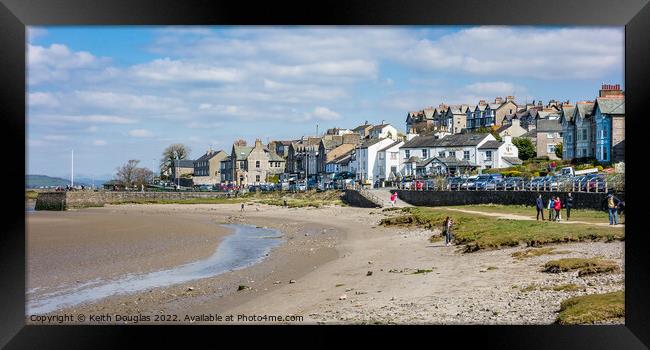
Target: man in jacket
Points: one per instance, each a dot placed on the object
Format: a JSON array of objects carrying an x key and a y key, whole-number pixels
[
  {"x": 539, "y": 204},
  {"x": 568, "y": 204}
]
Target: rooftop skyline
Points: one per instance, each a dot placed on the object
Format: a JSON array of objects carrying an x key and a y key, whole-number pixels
[{"x": 119, "y": 93}]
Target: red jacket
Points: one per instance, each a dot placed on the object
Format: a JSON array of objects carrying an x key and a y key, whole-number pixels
[{"x": 558, "y": 205}]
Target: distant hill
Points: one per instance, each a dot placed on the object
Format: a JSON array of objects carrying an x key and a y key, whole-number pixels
[{"x": 36, "y": 181}]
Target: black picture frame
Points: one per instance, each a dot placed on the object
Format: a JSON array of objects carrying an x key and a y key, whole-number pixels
[{"x": 16, "y": 14}]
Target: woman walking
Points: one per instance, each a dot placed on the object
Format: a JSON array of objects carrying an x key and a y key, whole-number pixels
[
  {"x": 393, "y": 199},
  {"x": 558, "y": 208},
  {"x": 568, "y": 205},
  {"x": 448, "y": 235}
]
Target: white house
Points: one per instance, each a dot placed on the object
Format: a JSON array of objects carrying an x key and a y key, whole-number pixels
[
  {"x": 464, "y": 147},
  {"x": 383, "y": 131},
  {"x": 498, "y": 154},
  {"x": 387, "y": 164},
  {"x": 364, "y": 160}
]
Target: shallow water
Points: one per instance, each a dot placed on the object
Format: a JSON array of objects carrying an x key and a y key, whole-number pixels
[{"x": 248, "y": 245}]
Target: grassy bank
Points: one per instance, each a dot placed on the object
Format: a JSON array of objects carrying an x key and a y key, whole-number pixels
[
  {"x": 477, "y": 232},
  {"x": 589, "y": 309},
  {"x": 185, "y": 201},
  {"x": 299, "y": 199},
  {"x": 31, "y": 195},
  {"x": 585, "y": 266},
  {"x": 586, "y": 215}
]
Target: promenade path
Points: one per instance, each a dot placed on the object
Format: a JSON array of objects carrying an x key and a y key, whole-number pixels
[
  {"x": 383, "y": 194},
  {"x": 524, "y": 217}
]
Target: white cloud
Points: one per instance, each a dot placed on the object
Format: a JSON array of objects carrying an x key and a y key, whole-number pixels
[
  {"x": 320, "y": 113},
  {"x": 55, "y": 137},
  {"x": 140, "y": 133},
  {"x": 97, "y": 118},
  {"x": 58, "y": 63},
  {"x": 35, "y": 32},
  {"x": 99, "y": 142},
  {"x": 167, "y": 70},
  {"x": 42, "y": 99}
]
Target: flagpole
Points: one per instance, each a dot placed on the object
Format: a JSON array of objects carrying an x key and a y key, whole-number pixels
[{"x": 72, "y": 170}]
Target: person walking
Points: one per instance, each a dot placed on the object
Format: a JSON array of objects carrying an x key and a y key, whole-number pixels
[
  {"x": 558, "y": 208},
  {"x": 568, "y": 205},
  {"x": 612, "y": 206},
  {"x": 551, "y": 208},
  {"x": 448, "y": 235},
  {"x": 242, "y": 207},
  {"x": 393, "y": 199},
  {"x": 539, "y": 204}
]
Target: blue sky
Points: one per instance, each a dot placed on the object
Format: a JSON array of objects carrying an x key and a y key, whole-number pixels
[{"x": 119, "y": 93}]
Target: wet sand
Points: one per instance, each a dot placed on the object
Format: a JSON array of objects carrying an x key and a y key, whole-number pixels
[{"x": 328, "y": 253}]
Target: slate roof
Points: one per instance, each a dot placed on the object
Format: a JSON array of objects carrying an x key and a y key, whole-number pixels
[
  {"x": 530, "y": 134},
  {"x": 513, "y": 160},
  {"x": 468, "y": 139},
  {"x": 379, "y": 127},
  {"x": 611, "y": 105},
  {"x": 361, "y": 127},
  {"x": 369, "y": 142},
  {"x": 584, "y": 109},
  {"x": 275, "y": 157},
  {"x": 242, "y": 152},
  {"x": 208, "y": 156},
  {"x": 389, "y": 146},
  {"x": 491, "y": 144},
  {"x": 184, "y": 163},
  {"x": 546, "y": 125}
]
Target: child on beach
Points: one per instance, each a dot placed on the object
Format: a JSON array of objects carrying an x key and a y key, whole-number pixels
[
  {"x": 393, "y": 199},
  {"x": 447, "y": 231}
]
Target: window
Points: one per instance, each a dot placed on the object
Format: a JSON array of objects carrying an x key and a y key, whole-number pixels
[
  {"x": 407, "y": 153},
  {"x": 424, "y": 154},
  {"x": 549, "y": 135},
  {"x": 452, "y": 154},
  {"x": 488, "y": 155},
  {"x": 381, "y": 155},
  {"x": 441, "y": 154},
  {"x": 550, "y": 148},
  {"x": 257, "y": 163},
  {"x": 257, "y": 178},
  {"x": 242, "y": 164},
  {"x": 393, "y": 155},
  {"x": 584, "y": 134},
  {"x": 466, "y": 155}
]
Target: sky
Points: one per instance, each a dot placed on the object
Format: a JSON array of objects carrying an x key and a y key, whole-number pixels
[{"x": 126, "y": 92}]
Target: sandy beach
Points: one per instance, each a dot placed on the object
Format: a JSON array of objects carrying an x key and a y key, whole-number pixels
[{"x": 336, "y": 265}]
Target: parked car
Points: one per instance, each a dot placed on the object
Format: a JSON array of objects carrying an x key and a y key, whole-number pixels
[
  {"x": 454, "y": 183},
  {"x": 512, "y": 183}
]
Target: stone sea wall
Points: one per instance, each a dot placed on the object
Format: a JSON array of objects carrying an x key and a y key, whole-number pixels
[
  {"x": 581, "y": 200},
  {"x": 84, "y": 199}
]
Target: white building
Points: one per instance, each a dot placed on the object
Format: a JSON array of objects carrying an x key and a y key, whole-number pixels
[
  {"x": 383, "y": 131},
  {"x": 466, "y": 148},
  {"x": 363, "y": 163},
  {"x": 387, "y": 165}
]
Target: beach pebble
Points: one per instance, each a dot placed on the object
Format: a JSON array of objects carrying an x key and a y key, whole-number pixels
[
  {"x": 277, "y": 282},
  {"x": 343, "y": 297},
  {"x": 292, "y": 281},
  {"x": 369, "y": 273}
]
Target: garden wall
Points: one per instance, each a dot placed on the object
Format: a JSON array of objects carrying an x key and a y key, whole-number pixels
[{"x": 83, "y": 199}]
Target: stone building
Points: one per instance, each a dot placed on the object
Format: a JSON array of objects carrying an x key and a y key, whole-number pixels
[
  {"x": 549, "y": 135},
  {"x": 207, "y": 168}
]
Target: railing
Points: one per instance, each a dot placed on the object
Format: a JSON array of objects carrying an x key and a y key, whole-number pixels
[{"x": 589, "y": 186}]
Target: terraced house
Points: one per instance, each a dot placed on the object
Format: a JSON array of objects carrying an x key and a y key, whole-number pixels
[{"x": 609, "y": 123}]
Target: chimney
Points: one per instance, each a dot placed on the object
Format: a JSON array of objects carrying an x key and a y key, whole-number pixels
[
  {"x": 507, "y": 139},
  {"x": 498, "y": 100},
  {"x": 510, "y": 98},
  {"x": 515, "y": 121},
  {"x": 258, "y": 143},
  {"x": 481, "y": 102},
  {"x": 610, "y": 90}
]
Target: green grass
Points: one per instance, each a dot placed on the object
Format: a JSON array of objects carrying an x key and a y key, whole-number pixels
[
  {"x": 586, "y": 215},
  {"x": 30, "y": 195},
  {"x": 533, "y": 252},
  {"x": 184, "y": 201},
  {"x": 568, "y": 287},
  {"x": 589, "y": 309},
  {"x": 478, "y": 232},
  {"x": 300, "y": 199},
  {"x": 585, "y": 266}
]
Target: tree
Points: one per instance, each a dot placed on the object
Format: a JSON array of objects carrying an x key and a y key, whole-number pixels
[
  {"x": 143, "y": 176},
  {"x": 558, "y": 150},
  {"x": 128, "y": 173},
  {"x": 525, "y": 147},
  {"x": 176, "y": 151}
]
